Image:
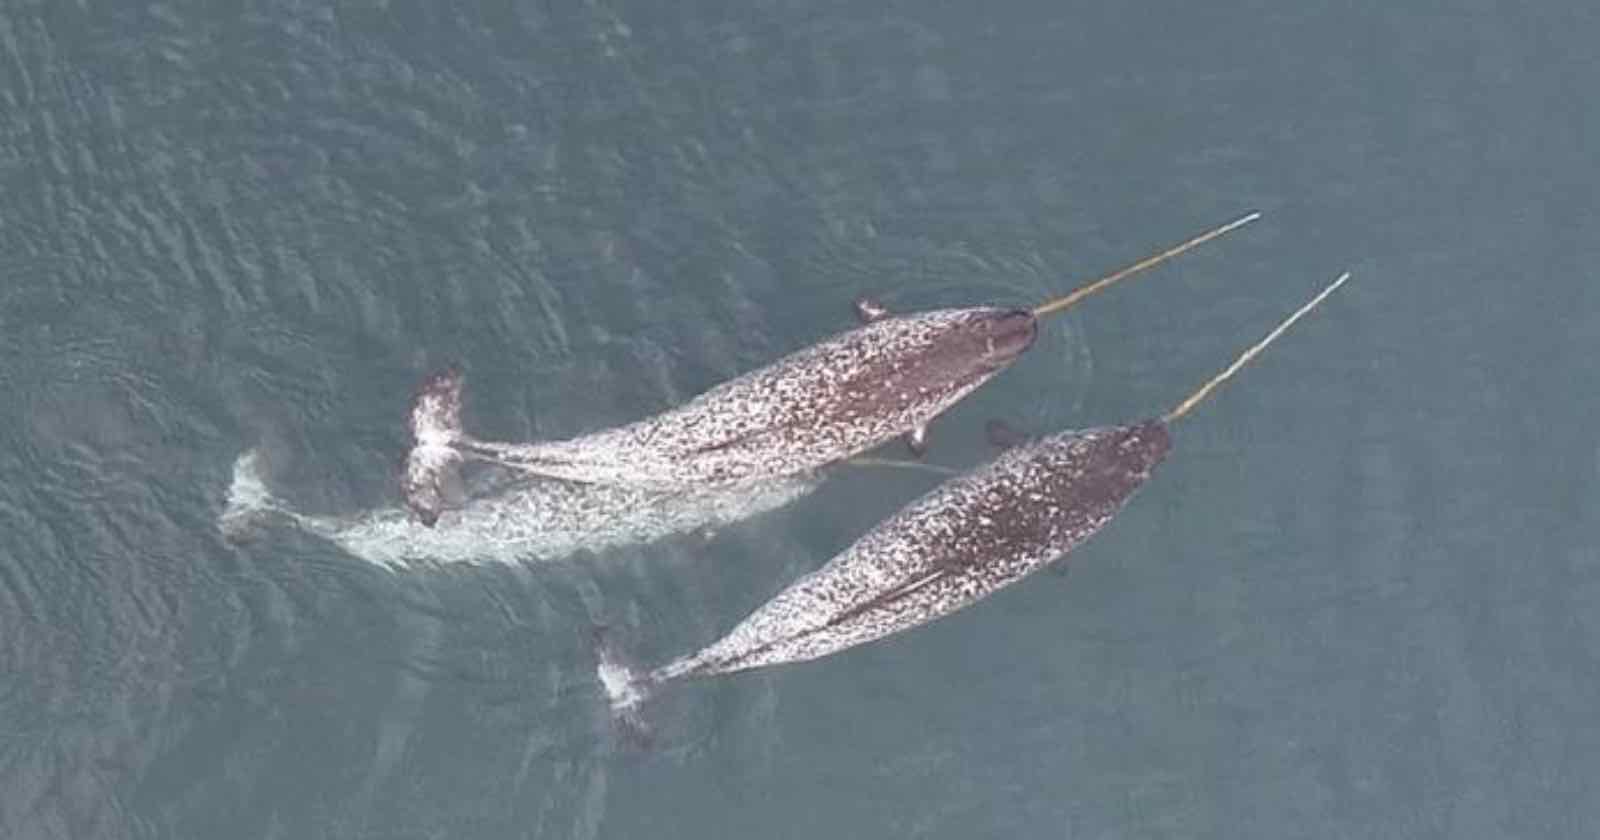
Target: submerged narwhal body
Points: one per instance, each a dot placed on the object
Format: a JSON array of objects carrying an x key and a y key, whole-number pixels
[
  {"x": 509, "y": 517},
  {"x": 845, "y": 395},
  {"x": 963, "y": 541}
]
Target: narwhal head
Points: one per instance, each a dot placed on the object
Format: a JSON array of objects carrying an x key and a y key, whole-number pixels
[
  {"x": 1141, "y": 447},
  {"x": 1004, "y": 334},
  {"x": 1095, "y": 471},
  {"x": 970, "y": 345}
]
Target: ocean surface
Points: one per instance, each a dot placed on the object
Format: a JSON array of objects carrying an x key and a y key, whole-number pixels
[{"x": 1361, "y": 598}]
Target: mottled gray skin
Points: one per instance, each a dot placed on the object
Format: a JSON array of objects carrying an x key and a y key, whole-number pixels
[
  {"x": 965, "y": 540},
  {"x": 828, "y": 402}
]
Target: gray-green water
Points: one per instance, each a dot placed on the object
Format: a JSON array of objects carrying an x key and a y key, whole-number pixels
[{"x": 1362, "y": 599}]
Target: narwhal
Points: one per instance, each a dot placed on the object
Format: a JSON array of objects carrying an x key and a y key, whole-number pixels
[
  {"x": 966, "y": 539},
  {"x": 499, "y": 515},
  {"x": 888, "y": 377},
  {"x": 505, "y": 517}
]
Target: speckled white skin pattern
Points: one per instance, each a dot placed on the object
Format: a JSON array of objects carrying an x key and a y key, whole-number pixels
[
  {"x": 835, "y": 399},
  {"x": 965, "y": 540},
  {"x": 518, "y": 520}
]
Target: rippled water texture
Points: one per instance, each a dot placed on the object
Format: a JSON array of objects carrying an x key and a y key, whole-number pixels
[{"x": 1360, "y": 599}]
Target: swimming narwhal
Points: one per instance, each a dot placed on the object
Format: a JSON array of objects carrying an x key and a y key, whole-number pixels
[
  {"x": 509, "y": 517},
  {"x": 840, "y": 397},
  {"x": 500, "y": 515},
  {"x": 963, "y": 541}
]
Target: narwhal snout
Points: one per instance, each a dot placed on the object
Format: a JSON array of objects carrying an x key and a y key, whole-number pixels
[
  {"x": 1144, "y": 445},
  {"x": 1011, "y": 334}
]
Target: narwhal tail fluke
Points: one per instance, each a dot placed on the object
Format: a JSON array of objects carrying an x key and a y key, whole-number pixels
[
  {"x": 249, "y": 500},
  {"x": 434, "y": 463},
  {"x": 626, "y": 687}
]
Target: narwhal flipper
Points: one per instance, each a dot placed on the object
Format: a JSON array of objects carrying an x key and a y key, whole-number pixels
[
  {"x": 917, "y": 440},
  {"x": 432, "y": 471}
]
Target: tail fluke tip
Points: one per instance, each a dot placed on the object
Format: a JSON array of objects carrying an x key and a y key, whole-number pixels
[
  {"x": 432, "y": 463},
  {"x": 623, "y": 687}
]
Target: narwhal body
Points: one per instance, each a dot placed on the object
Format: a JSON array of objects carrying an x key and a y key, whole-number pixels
[
  {"x": 961, "y": 542},
  {"x": 845, "y": 395},
  {"x": 509, "y": 517},
  {"x": 968, "y": 538},
  {"x": 820, "y": 405},
  {"x": 841, "y": 396}
]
